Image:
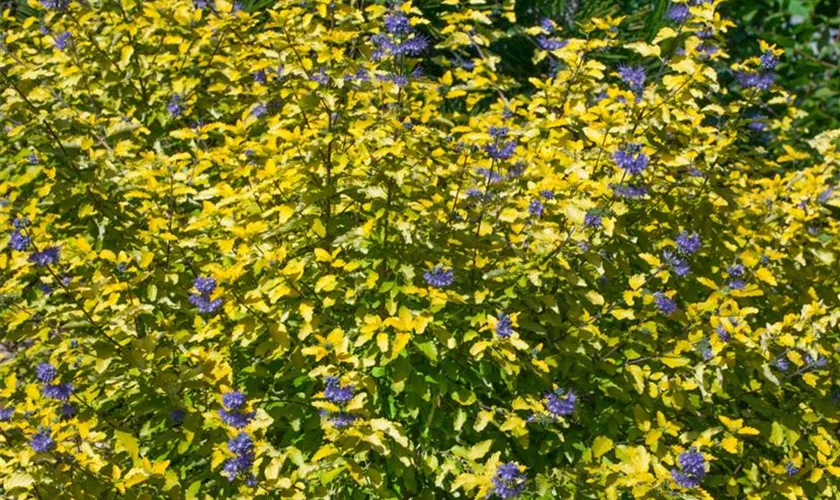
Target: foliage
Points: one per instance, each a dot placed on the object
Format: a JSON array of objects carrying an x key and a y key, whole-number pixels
[{"x": 266, "y": 255}]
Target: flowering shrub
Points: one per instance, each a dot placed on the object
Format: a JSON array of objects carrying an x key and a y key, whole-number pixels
[{"x": 271, "y": 255}]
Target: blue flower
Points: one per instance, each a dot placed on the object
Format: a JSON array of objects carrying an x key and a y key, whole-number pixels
[
  {"x": 561, "y": 403},
  {"x": 499, "y": 132},
  {"x": 62, "y": 40},
  {"x": 45, "y": 257},
  {"x": 490, "y": 176},
  {"x": 21, "y": 223},
  {"x": 241, "y": 444},
  {"x": 439, "y": 277},
  {"x": 259, "y": 110},
  {"x": 177, "y": 416},
  {"x": 782, "y": 364},
  {"x": 509, "y": 481},
  {"x": 240, "y": 464},
  {"x": 235, "y": 419},
  {"x": 634, "y": 76},
  {"x": 736, "y": 284},
  {"x": 336, "y": 393},
  {"x": 19, "y": 241},
  {"x": 722, "y": 334},
  {"x": 68, "y": 411},
  {"x": 504, "y": 325},
  {"x": 259, "y": 76},
  {"x": 791, "y": 469},
  {"x": 398, "y": 24},
  {"x": 6, "y": 413},
  {"x": 547, "y": 194},
  {"x": 679, "y": 13},
  {"x": 665, "y": 304},
  {"x": 677, "y": 264},
  {"x": 634, "y": 165},
  {"x": 205, "y": 286},
  {"x": 693, "y": 466},
  {"x": 61, "y": 392},
  {"x": 592, "y": 219},
  {"x": 33, "y": 159},
  {"x": 548, "y": 25},
  {"x": 688, "y": 244},
  {"x": 547, "y": 43},
  {"x": 175, "y": 106},
  {"x": 536, "y": 208},
  {"x": 760, "y": 81},
  {"x": 768, "y": 61},
  {"x": 233, "y": 400},
  {"x": 629, "y": 190},
  {"x": 45, "y": 372},
  {"x": 42, "y": 441},
  {"x": 339, "y": 420},
  {"x": 204, "y": 304},
  {"x": 413, "y": 47},
  {"x": 55, "y": 4},
  {"x": 503, "y": 153}
]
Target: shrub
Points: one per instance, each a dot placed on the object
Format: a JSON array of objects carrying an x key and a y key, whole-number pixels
[{"x": 269, "y": 255}]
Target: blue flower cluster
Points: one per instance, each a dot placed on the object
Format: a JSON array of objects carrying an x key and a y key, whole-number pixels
[
  {"x": 233, "y": 414},
  {"x": 175, "y": 106},
  {"x": 42, "y": 441},
  {"x": 340, "y": 395},
  {"x": 634, "y": 76},
  {"x": 688, "y": 244},
  {"x": 401, "y": 39},
  {"x": 45, "y": 257},
  {"x": 561, "y": 403},
  {"x": 509, "y": 481},
  {"x": 46, "y": 373},
  {"x": 693, "y": 469},
  {"x": 202, "y": 300},
  {"x": 665, "y": 304},
  {"x": 631, "y": 160},
  {"x": 439, "y": 276},
  {"x": 504, "y": 325},
  {"x": 241, "y": 445},
  {"x": 679, "y": 13}
]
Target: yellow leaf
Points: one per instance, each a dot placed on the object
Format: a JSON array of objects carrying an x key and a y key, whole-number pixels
[
  {"x": 673, "y": 362},
  {"x": 135, "y": 476},
  {"x": 323, "y": 452},
  {"x": 664, "y": 34},
  {"x": 623, "y": 313},
  {"x": 326, "y": 283},
  {"x": 382, "y": 341},
  {"x": 146, "y": 259},
  {"x": 125, "y": 55},
  {"x": 644, "y": 49},
  {"x": 731, "y": 424},
  {"x": 730, "y": 444},
  {"x": 18, "y": 480},
  {"x": 601, "y": 445},
  {"x": 322, "y": 255},
  {"x": 399, "y": 344},
  {"x": 707, "y": 282},
  {"x": 766, "y": 276},
  {"x": 749, "y": 431},
  {"x": 127, "y": 442},
  {"x": 595, "y": 297},
  {"x": 637, "y": 281},
  {"x": 318, "y": 228}
]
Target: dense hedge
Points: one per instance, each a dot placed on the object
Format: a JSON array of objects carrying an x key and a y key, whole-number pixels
[{"x": 329, "y": 250}]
